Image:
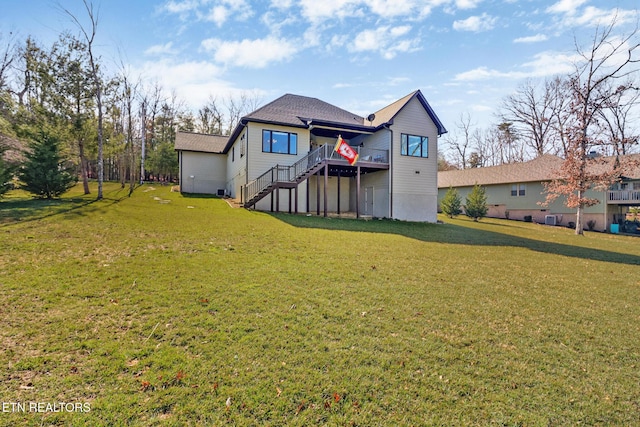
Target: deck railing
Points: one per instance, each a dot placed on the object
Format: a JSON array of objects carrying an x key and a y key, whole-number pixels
[
  {"x": 623, "y": 196},
  {"x": 280, "y": 173},
  {"x": 299, "y": 169}
]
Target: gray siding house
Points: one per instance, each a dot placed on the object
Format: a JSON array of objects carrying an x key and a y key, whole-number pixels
[
  {"x": 281, "y": 158},
  {"x": 516, "y": 191}
]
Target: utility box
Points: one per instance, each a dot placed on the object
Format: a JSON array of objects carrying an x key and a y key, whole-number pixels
[{"x": 550, "y": 219}]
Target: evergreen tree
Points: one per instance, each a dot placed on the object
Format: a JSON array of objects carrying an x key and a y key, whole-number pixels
[
  {"x": 476, "y": 203},
  {"x": 45, "y": 172},
  {"x": 451, "y": 204},
  {"x": 6, "y": 170}
]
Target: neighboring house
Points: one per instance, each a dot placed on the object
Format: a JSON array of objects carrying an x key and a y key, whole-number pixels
[
  {"x": 516, "y": 191},
  {"x": 281, "y": 158}
]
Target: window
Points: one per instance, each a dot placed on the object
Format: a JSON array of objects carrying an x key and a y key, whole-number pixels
[
  {"x": 242, "y": 146},
  {"x": 279, "y": 142},
  {"x": 233, "y": 153},
  {"x": 518, "y": 190},
  {"x": 415, "y": 146}
]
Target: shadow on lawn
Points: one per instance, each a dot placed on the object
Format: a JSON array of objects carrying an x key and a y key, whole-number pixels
[
  {"x": 456, "y": 234},
  {"x": 26, "y": 210}
]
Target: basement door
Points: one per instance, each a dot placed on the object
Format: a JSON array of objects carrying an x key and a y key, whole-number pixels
[{"x": 368, "y": 201}]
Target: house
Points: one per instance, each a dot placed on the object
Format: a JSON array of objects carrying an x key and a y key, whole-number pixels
[
  {"x": 517, "y": 190},
  {"x": 281, "y": 158}
]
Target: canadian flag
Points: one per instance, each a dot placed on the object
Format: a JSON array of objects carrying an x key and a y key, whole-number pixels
[{"x": 346, "y": 151}]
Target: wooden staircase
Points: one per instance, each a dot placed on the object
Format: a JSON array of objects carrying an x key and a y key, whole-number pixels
[{"x": 286, "y": 176}]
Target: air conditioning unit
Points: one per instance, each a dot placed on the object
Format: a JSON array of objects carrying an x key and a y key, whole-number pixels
[
  {"x": 220, "y": 192},
  {"x": 550, "y": 220}
]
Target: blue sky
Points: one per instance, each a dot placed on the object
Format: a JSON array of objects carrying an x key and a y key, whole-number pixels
[{"x": 465, "y": 55}]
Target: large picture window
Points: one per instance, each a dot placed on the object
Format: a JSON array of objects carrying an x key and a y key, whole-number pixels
[
  {"x": 413, "y": 145},
  {"x": 279, "y": 142}
]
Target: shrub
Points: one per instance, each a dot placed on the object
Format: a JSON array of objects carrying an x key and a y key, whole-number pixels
[
  {"x": 476, "y": 203},
  {"x": 451, "y": 205},
  {"x": 45, "y": 173},
  {"x": 528, "y": 218},
  {"x": 591, "y": 224}
]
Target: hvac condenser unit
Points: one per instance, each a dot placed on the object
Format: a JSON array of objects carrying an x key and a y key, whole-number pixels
[{"x": 550, "y": 219}]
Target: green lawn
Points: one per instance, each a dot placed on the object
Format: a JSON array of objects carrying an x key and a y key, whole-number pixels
[{"x": 161, "y": 309}]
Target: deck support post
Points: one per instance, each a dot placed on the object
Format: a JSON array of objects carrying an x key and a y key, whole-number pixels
[
  {"x": 326, "y": 184},
  {"x": 338, "y": 191},
  {"x": 358, "y": 193},
  {"x": 318, "y": 193}
]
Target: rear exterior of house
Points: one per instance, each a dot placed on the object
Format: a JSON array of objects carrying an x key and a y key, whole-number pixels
[{"x": 281, "y": 158}]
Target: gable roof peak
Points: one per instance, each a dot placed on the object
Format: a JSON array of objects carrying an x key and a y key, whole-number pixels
[{"x": 388, "y": 113}]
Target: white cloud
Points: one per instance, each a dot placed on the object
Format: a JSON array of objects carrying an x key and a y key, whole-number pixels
[
  {"x": 532, "y": 39},
  {"x": 218, "y": 15},
  {"x": 566, "y": 6},
  {"x": 194, "y": 81},
  {"x": 593, "y": 16},
  {"x": 480, "y": 73},
  {"x": 391, "y": 8},
  {"x": 467, "y": 4},
  {"x": 573, "y": 15},
  {"x": 550, "y": 64},
  {"x": 281, "y": 4},
  {"x": 216, "y": 11},
  {"x": 181, "y": 7},
  {"x": 161, "y": 49},
  {"x": 318, "y": 11},
  {"x": 258, "y": 53},
  {"x": 476, "y": 24},
  {"x": 544, "y": 64},
  {"x": 385, "y": 40}
]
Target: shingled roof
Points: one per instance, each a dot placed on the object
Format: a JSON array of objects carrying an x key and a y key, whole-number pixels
[
  {"x": 189, "y": 141},
  {"x": 388, "y": 113},
  {"x": 296, "y": 110},
  {"x": 540, "y": 169}
]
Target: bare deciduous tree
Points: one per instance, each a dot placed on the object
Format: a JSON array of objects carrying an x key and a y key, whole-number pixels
[
  {"x": 601, "y": 76},
  {"x": 89, "y": 34},
  {"x": 531, "y": 110}
]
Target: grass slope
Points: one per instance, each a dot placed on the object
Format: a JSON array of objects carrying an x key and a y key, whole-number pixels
[{"x": 161, "y": 309}]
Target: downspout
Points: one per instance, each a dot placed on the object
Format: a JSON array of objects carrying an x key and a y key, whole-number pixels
[
  {"x": 390, "y": 171},
  {"x": 246, "y": 155},
  {"x": 606, "y": 211},
  {"x": 181, "y": 170}
]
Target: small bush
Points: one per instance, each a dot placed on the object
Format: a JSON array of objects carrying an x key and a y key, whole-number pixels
[
  {"x": 528, "y": 218},
  {"x": 591, "y": 224},
  {"x": 476, "y": 203},
  {"x": 451, "y": 203}
]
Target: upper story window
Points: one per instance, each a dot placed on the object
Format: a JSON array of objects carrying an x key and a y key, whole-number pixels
[
  {"x": 413, "y": 145},
  {"x": 279, "y": 142},
  {"x": 518, "y": 190}
]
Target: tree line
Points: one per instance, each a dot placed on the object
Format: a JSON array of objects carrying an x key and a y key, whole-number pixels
[{"x": 103, "y": 124}]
